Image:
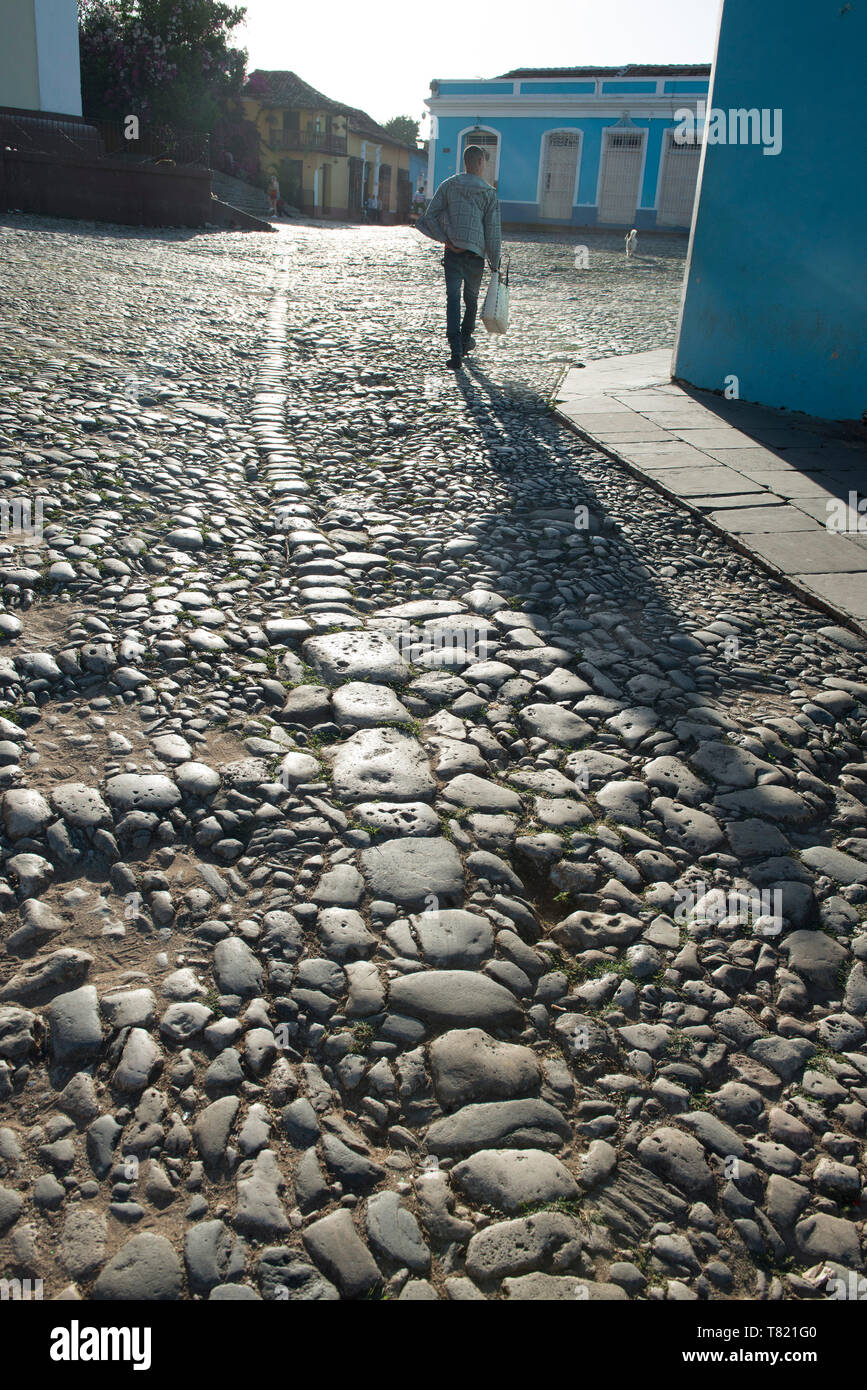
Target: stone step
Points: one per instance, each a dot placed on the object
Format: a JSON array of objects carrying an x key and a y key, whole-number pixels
[{"x": 240, "y": 194}]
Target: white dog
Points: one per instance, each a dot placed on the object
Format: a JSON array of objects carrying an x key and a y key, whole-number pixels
[{"x": 631, "y": 243}]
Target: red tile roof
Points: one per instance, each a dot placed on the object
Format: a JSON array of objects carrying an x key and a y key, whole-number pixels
[{"x": 290, "y": 92}]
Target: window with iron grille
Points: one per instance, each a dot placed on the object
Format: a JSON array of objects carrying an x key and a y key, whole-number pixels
[
  {"x": 485, "y": 138},
  {"x": 489, "y": 141},
  {"x": 687, "y": 148}
]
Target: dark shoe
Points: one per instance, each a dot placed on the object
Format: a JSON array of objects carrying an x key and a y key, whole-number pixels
[
  {"x": 454, "y": 363},
  {"x": 469, "y": 345}
]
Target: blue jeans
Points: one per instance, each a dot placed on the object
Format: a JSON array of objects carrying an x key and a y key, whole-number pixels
[{"x": 463, "y": 268}]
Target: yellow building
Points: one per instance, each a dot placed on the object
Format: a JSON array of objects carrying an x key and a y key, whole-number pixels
[{"x": 331, "y": 160}]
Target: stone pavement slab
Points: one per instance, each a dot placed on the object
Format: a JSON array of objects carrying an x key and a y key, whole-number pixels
[
  {"x": 737, "y": 500},
  {"x": 634, "y": 431},
  {"x": 790, "y": 483},
  {"x": 721, "y": 437},
  {"x": 671, "y": 453},
  {"x": 697, "y": 482},
  {"x": 765, "y": 520},
  {"x": 764, "y": 480},
  {"x": 818, "y": 552},
  {"x": 843, "y": 591},
  {"x": 694, "y": 418},
  {"x": 599, "y": 404},
  {"x": 611, "y": 421},
  {"x": 754, "y": 456},
  {"x": 816, "y": 507}
]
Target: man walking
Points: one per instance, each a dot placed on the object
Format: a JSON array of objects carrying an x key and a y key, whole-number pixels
[{"x": 465, "y": 215}]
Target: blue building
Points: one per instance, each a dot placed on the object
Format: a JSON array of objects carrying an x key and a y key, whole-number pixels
[
  {"x": 418, "y": 169},
  {"x": 576, "y": 147},
  {"x": 776, "y": 290}
]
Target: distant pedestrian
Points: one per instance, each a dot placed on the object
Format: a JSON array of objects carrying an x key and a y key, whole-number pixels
[
  {"x": 273, "y": 195},
  {"x": 465, "y": 215}
]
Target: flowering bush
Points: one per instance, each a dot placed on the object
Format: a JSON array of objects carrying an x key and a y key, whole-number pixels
[
  {"x": 161, "y": 60},
  {"x": 257, "y": 85}
]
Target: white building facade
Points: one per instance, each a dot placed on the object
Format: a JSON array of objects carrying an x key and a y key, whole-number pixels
[{"x": 39, "y": 60}]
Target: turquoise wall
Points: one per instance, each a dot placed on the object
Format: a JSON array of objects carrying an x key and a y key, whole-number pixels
[
  {"x": 417, "y": 168},
  {"x": 468, "y": 89},
  {"x": 521, "y": 141},
  {"x": 776, "y": 290},
  {"x": 619, "y": 88},
  {"x": 537, "y": 88},
  {"x": 686, "y": 85},
  {"x": 520, "y": 152}
]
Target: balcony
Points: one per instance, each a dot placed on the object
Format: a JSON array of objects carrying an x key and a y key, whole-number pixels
[{"x": 301, "y": 140}]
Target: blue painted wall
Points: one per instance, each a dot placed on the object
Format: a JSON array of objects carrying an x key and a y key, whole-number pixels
[
  {"x": 686, "y": 85},
  {"x": 417, "y": 169},
  {"x": 619, "y": 88},
  {"x": 521, "y": 137},
  {"x": 776, "y": 291},
  {"x": 481, "y": 88},
  {"x": 536, "y": 88},
  {"x": 521, "y": 151}
]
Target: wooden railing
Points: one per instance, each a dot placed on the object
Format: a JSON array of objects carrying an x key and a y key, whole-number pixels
[{"x": 307, "y": 140}]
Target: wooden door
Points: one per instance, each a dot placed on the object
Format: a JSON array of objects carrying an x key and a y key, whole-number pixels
[
  {"x": 679, "y": 179},
  {"x": 559, "y": 172},
  {"x": 621, "y": 172}
]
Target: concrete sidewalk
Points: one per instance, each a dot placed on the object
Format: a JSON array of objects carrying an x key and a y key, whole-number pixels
[{"x": 767, "y": 480}]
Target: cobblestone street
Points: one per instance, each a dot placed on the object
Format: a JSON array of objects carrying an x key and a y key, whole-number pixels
[{"x": 432, "y": 864}]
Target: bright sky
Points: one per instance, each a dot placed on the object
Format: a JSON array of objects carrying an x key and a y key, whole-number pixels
[{"x": 381, "y": 54}]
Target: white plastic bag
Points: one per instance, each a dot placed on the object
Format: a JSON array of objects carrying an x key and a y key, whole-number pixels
[{"x": 495, "y": 310}]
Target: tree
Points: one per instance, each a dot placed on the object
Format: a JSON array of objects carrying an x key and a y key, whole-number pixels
[
  {"x": 165, "y": 61},
  {"x": 403, "y": 128}
]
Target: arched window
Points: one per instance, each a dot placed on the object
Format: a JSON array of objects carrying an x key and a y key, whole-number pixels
[{"x": 489, "y": 140}]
